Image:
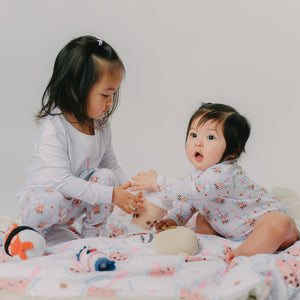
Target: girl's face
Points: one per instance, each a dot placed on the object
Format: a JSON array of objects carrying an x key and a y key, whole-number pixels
[
  {"x": 205, "y": 144},
  {"x": 101, "y": 94}
]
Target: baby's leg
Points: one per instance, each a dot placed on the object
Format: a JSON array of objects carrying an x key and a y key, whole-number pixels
[
  {"x": 273, "y": 231},
  {"x": 203, "y": 227},
  {"x": 153, "y": 211}
]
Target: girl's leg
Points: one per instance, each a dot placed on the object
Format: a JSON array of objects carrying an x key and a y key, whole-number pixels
[
  {"x": 42, "y": 210},
  {"x": 97, "y": 214},
  {"x": 273, "y": 231},
  {"x": 46, "y": 208}
]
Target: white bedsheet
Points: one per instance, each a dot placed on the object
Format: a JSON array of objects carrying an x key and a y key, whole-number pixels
[{"x": 141, "y": 273}]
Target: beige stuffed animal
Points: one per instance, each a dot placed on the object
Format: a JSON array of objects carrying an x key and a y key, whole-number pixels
[{"x": 176, "y": 241}]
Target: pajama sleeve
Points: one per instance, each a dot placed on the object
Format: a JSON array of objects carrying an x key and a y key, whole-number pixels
[
  {"x": 52, "y": 148},
  {"x": 215, "y": 182},
  {"x": 181, "y": 213}
]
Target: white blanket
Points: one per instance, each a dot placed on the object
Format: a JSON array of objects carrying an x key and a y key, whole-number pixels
[{"x": 141, "y": 273}]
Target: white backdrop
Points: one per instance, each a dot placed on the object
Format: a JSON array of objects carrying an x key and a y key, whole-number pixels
[{"x": 177, "y": 53}]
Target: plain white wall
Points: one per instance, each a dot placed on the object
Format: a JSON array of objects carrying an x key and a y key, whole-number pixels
[{"x": 177, "y": 54}]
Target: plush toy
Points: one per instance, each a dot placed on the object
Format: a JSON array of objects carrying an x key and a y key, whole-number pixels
[
  {"x": 166, "y": 227},
  {"x": 94, "y": 260},
  {"x": 23, "y": 242},
  {"x": 290, "y": 198},
  {"x": 176, "y": 241}
]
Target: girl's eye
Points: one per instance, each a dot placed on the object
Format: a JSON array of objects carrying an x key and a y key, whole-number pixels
[
  {"x": 211, "y": 137},
  {"x": 105, "y": 96}
]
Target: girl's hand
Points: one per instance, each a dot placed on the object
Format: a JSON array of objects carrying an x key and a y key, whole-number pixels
[
  {"x": 165, "y": 222},
  {"x": 144, "y": 181},
  {"x": 128, "y": 202}
]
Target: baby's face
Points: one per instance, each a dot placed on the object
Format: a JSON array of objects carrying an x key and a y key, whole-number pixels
[{"x": 205, "y": 144}]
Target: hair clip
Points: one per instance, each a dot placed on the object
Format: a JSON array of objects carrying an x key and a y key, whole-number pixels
[{"x": 100, "y": 42}]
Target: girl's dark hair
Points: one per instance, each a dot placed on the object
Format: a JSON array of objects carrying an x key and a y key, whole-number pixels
[
  {"x": 77, "y": 67},
  {"x": 236, "y": 128}
]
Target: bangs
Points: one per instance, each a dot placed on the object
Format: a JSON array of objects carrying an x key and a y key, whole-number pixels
[
  {"x": 110, "y": 68},
  {"x": 217, "y": 116}
]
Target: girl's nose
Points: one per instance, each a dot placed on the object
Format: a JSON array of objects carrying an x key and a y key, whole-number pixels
[{"x": 109, "y": 101}]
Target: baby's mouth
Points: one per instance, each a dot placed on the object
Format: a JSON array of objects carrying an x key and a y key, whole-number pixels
[{"x": 198, "y": 156}]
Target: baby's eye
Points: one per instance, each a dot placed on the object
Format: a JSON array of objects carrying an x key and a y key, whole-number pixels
[
  {"x": 211, "y": 137},
  {"x": 193, "y": 135}
]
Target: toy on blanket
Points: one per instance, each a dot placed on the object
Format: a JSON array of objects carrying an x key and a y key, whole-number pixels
[
  {"x": 93, "y": 260},
  {"x": 175, "y": 240},
  {"x": 24, "y": 242},
  {"x": 166, "y": 227}
]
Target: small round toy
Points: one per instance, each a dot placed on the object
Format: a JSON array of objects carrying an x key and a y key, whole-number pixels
[
  {"x": 176, "y": 241},
  {"x": 94, "y": 260},
  {"x": 23, "y": 242}
]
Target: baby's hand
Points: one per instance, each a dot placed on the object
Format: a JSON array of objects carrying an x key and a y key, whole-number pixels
[
  {"x": 128, "y": 202},
  {"x": 165, "y": 222},
  {"x": 144, "y": 181}
]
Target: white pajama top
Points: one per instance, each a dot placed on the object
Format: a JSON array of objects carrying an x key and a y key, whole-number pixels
[{"x": 63, "y": 158}]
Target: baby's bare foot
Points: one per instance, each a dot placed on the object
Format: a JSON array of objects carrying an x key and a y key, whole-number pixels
[{"x": 230, "y": 255}]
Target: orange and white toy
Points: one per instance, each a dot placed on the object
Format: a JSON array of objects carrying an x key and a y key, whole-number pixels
[{"x": 23, "y": 242}]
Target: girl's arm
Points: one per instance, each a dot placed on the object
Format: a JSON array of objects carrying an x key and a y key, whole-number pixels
[{"x": 52, "y": 149}]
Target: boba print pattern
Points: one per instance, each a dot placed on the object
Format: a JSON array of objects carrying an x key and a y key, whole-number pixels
[
  {"x": 230, "y": 201},
  {"x": 141, "y": 274},
  {"x": 47, "y": 208}
]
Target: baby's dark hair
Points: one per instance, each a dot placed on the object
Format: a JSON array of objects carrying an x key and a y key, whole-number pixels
[
  {"x": 80, "y": 64},
  {"x": 236, "y": 128}
]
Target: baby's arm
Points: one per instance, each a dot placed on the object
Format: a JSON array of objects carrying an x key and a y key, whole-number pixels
[
  {"x": 144, "y": 181},
  {"x": 201, "y": 187},
  {"x": 165, "y": 223},
  {"x": 179, "y": 215}
]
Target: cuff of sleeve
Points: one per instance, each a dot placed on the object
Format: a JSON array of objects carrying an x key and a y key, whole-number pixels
[
  {"x": 174, "y": 218},
  {"x": 104, "y": 194},
  {"x": 160, "y": 186},
  {"x": 155, "y": 200},
  {"x": 162, "y": 200}
]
